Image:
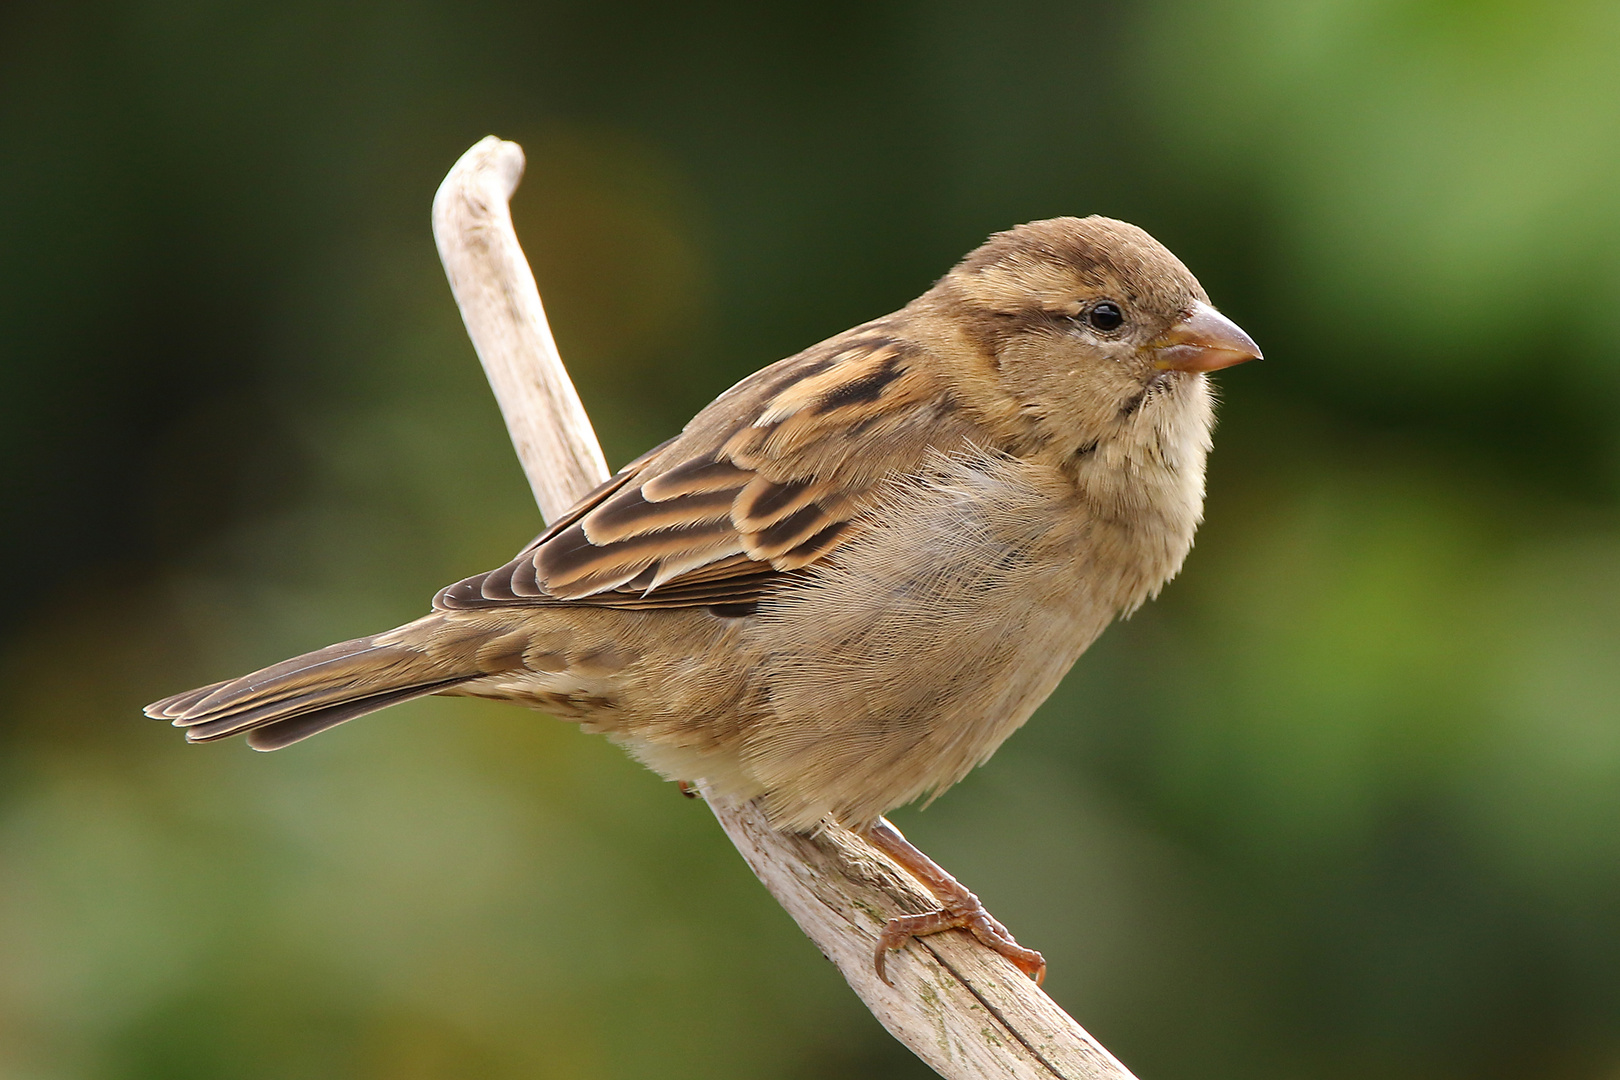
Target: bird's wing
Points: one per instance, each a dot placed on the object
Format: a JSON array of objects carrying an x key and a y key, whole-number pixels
[{"x": 763, "y": 482}]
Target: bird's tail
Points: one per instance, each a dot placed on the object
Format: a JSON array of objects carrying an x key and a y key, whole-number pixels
[{"x": 297, "y": 698}]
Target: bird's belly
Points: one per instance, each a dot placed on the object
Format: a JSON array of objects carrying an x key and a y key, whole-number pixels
[{"x": 904, "y": 662}]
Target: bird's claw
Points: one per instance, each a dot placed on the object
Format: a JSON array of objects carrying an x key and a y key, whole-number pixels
[{"x": 971, "y": 917}]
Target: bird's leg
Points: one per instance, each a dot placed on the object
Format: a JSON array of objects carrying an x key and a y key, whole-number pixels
[{"x": 959, "y": 909}]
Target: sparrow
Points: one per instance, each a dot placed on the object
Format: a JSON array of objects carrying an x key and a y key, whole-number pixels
[{"x": 854, "y": 573}]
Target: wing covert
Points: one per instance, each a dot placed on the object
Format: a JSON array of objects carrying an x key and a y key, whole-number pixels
[{"x": 763, "y": 482}]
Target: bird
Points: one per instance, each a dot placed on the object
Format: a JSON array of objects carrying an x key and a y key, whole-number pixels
[{"x": 854, "y": 573}]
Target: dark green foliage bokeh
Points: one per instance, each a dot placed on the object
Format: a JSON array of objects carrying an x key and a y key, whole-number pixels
[{"x": 1345, "y": 802}]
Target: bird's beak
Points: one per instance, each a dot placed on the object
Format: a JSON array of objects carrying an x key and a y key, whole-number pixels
[{"x": 1205, "y": 340}]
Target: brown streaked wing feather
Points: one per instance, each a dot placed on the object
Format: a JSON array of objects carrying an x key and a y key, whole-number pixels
[{"x": 765, "y": 481}]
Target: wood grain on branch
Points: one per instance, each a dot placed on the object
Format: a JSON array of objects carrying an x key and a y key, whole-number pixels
[{"x": 960, "y": 1007}]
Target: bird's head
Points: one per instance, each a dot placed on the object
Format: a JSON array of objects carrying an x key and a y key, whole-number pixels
[{"x": 1088, "y": 323}]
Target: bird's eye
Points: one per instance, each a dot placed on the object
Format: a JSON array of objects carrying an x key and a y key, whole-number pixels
[{"x": 1105, "y": 316}]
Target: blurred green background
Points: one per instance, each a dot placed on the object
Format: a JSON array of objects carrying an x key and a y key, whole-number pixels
[{"x": 1345, "y": 802}]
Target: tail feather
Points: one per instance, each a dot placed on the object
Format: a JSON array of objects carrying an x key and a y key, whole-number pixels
[
  {"x": 177, "y": 704},
  {"x": 337, "y": 664},
  {"x": 292, "y": 700},
  {"x": 278, "y": 733}
]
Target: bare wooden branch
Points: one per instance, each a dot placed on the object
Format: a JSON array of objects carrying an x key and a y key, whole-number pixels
[
  {"x": 493, "y": 286},
  {"x": 960, "y": 1007}
]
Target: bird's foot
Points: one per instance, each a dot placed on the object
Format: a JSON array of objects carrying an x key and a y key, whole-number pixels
[
  {"x": 959, "y": 910},
  {"x": 970, "y": 917}
]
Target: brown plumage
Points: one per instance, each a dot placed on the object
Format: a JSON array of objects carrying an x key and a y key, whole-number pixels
[{"x": 858, "y": 570}]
